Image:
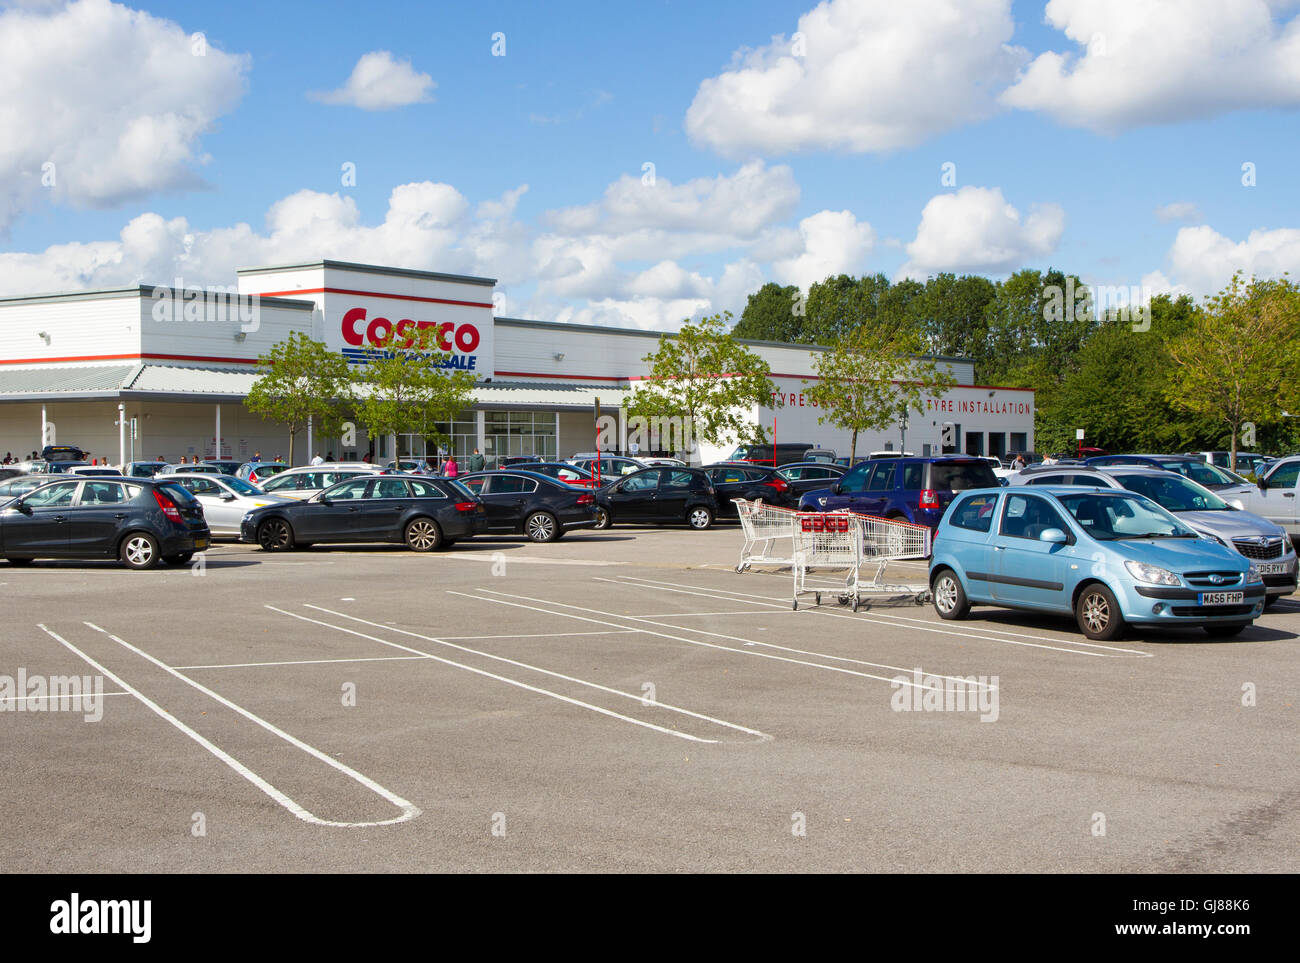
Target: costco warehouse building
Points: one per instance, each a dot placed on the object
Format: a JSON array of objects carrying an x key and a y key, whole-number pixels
[{"x": 181, "y": 367}]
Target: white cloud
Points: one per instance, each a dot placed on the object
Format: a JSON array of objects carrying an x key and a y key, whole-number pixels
[
  {"x": 1179, "y": 211},
  {"x": 1201, "y": 260},
  {"x": 875, "y": 75},
  {"x": 833, "y": 242},
  {"x": 738, "y": 205},
  {"x": 975, "y": 229},
  {"x": 114, "y": 99},
  {"x": 1161, "y": 61},
  {"x": 378, "y": 82},
  {"x": 653, "y": 280}
]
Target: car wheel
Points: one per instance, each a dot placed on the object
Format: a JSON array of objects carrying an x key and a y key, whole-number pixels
[
  {"x": 1224, "y": 631},
  {"x": 1097, "y": 613},
  {"x": 603, "y": 520},
  {"x": 423, "y": 535},
  {"x": 699, "y": 518},
  {"x": 541, "y": 527},
  {"x": 139, "y": 551},
  {"x": 182, "y": 559},
  {"x": 275, "y": 535},
  {"x": 21, "y": 561},
  {"x": 949, "y": 597}
]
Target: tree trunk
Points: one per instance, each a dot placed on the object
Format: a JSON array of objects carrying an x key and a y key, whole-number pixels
[{"x": 853, "y": 447}]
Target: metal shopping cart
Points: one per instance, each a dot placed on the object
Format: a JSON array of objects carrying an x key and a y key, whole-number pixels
[
  {"x": 769, "y": 533},
  {"x": 887, "y": 539},
  {"x": 831, "y": 541},
  {"x": 845, "y": 541}
]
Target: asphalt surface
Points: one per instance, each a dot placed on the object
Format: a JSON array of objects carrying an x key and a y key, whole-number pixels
[{"x": 620, "y": 701}]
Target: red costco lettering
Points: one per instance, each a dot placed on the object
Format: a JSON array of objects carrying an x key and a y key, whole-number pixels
[{"x": 381, "y": 331}]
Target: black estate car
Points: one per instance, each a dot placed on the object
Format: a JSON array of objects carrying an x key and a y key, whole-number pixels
[
  {"x": 522, "y": 502},
  {"x": 136, "y": 520},
  {"x": 425, "y": 513},
  {"x": 659, "y": 496}
]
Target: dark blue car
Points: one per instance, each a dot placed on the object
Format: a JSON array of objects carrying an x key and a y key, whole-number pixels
[{"x": 915, "y": 489}]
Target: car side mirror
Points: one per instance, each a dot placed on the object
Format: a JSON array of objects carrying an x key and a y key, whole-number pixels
[
  {"x": 1262, "y": 483},
  {"x": 325, "y": 500},
  {"x": 838, "y": 488},
  {"x": 227, "y": 497},
  {"x": 1053, "y": 535},
  {"x": 1236, "y": 505}
]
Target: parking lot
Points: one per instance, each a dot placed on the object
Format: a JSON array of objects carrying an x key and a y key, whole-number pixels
[{"x": 621, "y": 700}]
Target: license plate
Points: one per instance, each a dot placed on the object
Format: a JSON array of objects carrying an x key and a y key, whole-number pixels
[
  {"x": 1271, "y": 568},
  {"x": 200, "y": 543},
  {"x": 1222, "y": 598}
]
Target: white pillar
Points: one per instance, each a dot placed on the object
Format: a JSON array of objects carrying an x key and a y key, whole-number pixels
[
  {"x": 309, "y": 442},
  {"x": 480, "y": 426},
  {"x": 216, "y": 447},
  {"x": 121, "y": 435},
  {"x": 43, "y": 430}
]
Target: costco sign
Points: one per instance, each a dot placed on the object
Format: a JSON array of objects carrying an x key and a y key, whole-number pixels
[{"x": 365, "y": 331}]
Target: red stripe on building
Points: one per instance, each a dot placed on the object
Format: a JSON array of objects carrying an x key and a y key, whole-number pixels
[{"x": 372, "y": 294}]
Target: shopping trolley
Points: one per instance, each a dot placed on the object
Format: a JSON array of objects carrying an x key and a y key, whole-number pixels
[
  {"x": 769, "y": 533},
  {"x": 846, "y": 541},
  {"x": 888, "y": 539},
  {"x": 831, "y": 540}
]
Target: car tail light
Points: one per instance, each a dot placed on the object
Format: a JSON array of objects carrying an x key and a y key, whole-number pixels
[
  {"x": 929, "y": 499},
  {"x": 587, "y": 498},
  {"x": 167, "y": 505},
  {"x": 466, "y": 506},
  {"x": 777, "y": 483}
]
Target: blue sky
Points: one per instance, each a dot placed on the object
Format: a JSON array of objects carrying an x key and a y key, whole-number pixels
[{"x": 1068, "y": 170}]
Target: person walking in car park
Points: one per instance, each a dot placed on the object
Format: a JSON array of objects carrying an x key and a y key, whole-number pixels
[
  {"x": 476, "y": 461},
  {"x": 318, "y": 460},
  {"x": 1019, "y": 462},
  {"x": 450, "y": 468}
]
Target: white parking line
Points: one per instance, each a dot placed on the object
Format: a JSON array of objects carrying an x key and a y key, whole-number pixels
[
  {"x": 517, "y": 683},
  {"x": 409, "y": 811},
  {"x": 258, "y": 665},
  {"x": 725, "y": 595},
  {"x": 711, "y": 645}
]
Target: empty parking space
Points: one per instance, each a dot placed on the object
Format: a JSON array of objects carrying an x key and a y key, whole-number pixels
[{"x": 622, "y": 700}]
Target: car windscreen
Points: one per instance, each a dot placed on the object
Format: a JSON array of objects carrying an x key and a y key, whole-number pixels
[
  {"x": 241, "y": 486},
  {"x": 460, "y": 489},
  {"x": 1111, "y": 517},
  {"x": 961, "y": 476},
  {"x": 1174, "y": 493},
  {"x": 1204, "y": 474},
  {"x": 179, "y": 494}
]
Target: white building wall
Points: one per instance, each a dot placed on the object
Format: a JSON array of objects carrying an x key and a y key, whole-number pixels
[{"x": 77, "y": 328}]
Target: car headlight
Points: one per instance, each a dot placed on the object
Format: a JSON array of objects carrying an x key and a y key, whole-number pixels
[
  {"x": 1151, "y": 573},
  {"x": 821, "y": 502},
  {"x": 1252, "y": 575}
]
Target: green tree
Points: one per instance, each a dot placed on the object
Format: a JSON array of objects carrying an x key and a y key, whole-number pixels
[
  {"x": 773, "y": 313},
  {"x": 303, "y": 381},
  {"x": 1236, "y": 364},
  {"x": 955, "y": 319},
  {"x": 410, "y": 391},
  {"x": 868, "y": 382},
  {"x": 705, "y": 376}
]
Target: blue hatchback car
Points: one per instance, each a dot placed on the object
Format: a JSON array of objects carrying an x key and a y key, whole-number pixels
[
  {"x": 912, "y": 489},
  {"x": 1110, "y": 557}
]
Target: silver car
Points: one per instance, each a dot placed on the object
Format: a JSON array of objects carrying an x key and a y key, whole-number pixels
[
  {"x": 1262, "y": 541},
  {"x": 225, "y": 499}
]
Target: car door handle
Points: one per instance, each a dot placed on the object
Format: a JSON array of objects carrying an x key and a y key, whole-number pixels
[
  {"x": 1288, "y": 494},
  {"x": 119, "y": 515},
  {"x": 998, "y": 548},
  {"x": 60, "y": 518}
]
